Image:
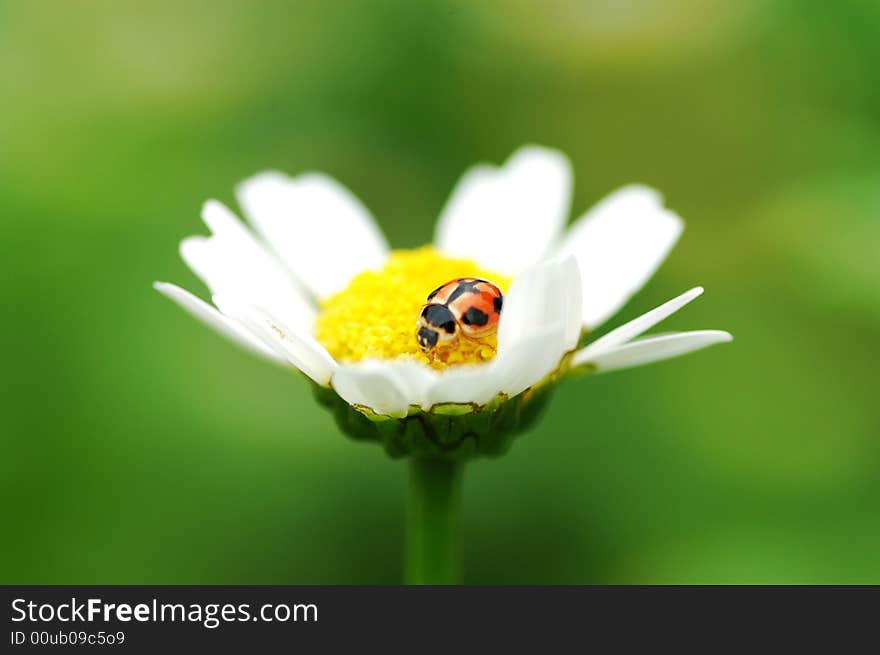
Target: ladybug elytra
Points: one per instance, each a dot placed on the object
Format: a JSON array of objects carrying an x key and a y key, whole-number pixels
[{"x": 468, "y": 307}]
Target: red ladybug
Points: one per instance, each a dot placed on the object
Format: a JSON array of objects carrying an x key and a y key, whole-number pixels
[{"x": 467, "y": 306}]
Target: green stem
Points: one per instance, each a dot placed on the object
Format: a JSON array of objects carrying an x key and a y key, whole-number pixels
[{"x": 433, "y": 548}]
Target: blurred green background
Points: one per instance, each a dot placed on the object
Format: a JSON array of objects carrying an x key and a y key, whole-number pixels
[{"x": 139, "y": 447}]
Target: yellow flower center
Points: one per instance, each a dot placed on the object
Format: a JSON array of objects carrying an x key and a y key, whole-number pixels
[{"x": 375, "y": 317}]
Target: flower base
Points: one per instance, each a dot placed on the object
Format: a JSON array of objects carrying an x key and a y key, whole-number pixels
[{"x": 451, "y": 432}]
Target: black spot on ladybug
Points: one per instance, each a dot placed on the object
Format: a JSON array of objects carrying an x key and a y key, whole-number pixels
[
  {"x": 498, "y": 300},
  {"x": 427, "y": 337},
  {"x": 474, "y": 316},
  {"x": 440, "y": 317},
  {"x": 465, "y": 286}
]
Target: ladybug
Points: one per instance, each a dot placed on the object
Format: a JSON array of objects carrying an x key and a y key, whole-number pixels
[{"x": 467, "y": 306}]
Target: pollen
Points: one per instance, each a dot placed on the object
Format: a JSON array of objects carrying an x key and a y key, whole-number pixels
[{"x": 375, "y": 317}]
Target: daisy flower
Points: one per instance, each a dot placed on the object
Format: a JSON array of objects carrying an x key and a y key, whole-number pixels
[{"x": 315, "y": 287}]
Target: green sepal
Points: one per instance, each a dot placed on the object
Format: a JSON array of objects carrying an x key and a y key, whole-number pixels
[{"x": 452, "y": 431}]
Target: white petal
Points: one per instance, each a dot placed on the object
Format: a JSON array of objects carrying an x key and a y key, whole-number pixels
[
  {"x": 232, "y": 262},
  {"x": 415, "y": 377},
  {"x": 296, "y": 346},
  {"x": 317, "y": 227},
  {"x": 652, "y": 349},
  {"x": 372, "y": 384},
  {"x": 507, "y": 218},
  {"x": 477, "y": 383},
  {"x": 638, "y": 325},
  {"x": 571, "y": 274},
  {"x": 226, "y": 326},
  {"x": 544, "y": 297},
  {"x": 619, "y": 244},
  {"x": 511, "y": 372},
  {"x": 530, "y": 361}
]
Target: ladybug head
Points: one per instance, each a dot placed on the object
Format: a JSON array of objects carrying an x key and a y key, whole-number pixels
[
  {"x": 436, "y": 327},
  {"x": 427, "y": 338}
]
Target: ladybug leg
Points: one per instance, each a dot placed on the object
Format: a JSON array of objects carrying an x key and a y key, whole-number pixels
[
  {"x": 436, "y": 355},
  {"x": 480, "y": 341}
]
